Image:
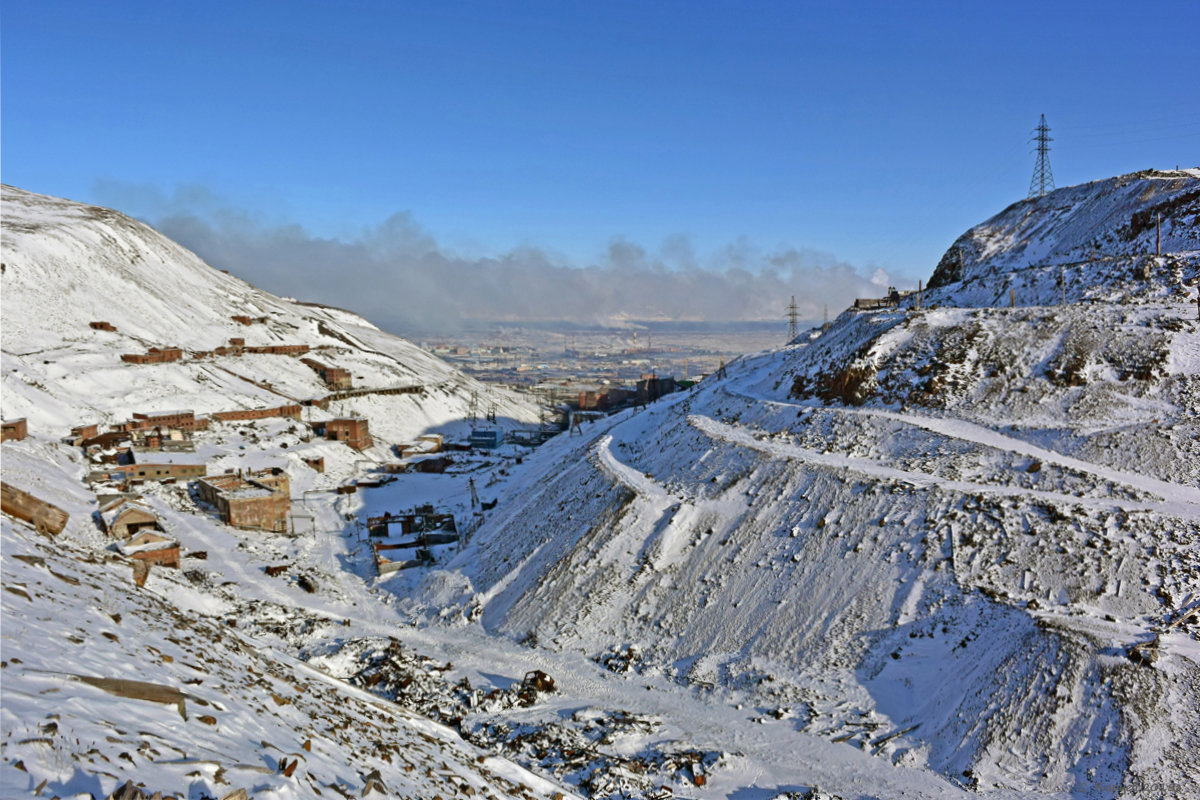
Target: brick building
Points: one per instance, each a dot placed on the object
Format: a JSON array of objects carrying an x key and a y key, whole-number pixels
[
  {"x": 153, "y": 548},
  {"x": 351, "y": 430},
  {"x": 155, "y": 355},
  {"x": 182, "y": 420},
  {"x": 255, "y": 500},
  {"x": 334, "y": 377},
  {"x": 14, "y": 430},
  {"x": 279, "y": 349},
  {"x": 292, "y": 411},
  {"x": 138, "y": 473},
  {"x": 102, "y": 326}
]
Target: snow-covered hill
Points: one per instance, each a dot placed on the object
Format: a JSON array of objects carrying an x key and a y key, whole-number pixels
[
  {"x": 922, "y": 553},
  {"x": 960, "y": 538},
  {"x": 68, "y": 264}
]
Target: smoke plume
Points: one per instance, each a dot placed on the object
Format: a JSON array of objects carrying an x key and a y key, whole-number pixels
[{"x": 397, "y": 275}]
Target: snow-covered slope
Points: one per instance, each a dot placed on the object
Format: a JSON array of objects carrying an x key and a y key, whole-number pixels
[
  {"x": 219, "y": 700},
  {"x": 1087, "y": 242},
  {"x": 67, "y": 264},
  {"x": 961, "y": 538}
]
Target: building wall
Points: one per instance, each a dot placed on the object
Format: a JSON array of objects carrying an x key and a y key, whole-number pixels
[
  {"x": 130, "y": 522},
  {"x": 166, "y": 557},
  {"x": 353, "y": 432},
  {"x": 264, "y": 513},
  {"x": 16, "y": 430},
  {"x": 292, "y": 411}
]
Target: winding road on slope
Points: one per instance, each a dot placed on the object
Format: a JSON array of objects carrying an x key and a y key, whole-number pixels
[{"x": 1178, "y": 500}]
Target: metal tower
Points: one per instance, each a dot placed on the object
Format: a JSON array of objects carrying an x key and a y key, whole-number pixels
[
  {"x": 793, "y": 320},
  {"x": 1043, "y": 178}
]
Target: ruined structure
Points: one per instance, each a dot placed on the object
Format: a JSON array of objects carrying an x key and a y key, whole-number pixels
[
  {"x": 334, "y": 377},
  {"x": 13, "y": 430},
  {"x": 102, "y": 326},
  {"x": 155, "y": 355},
  {"x": 254, "y": 500},
  {"x": 292, "y": 411},
  {"x": 122, "y": 517},
  {"x": 41, "y": 515},
  {"x": 351, "y": 430},
  {"x": 183, "y": 420},
  {"x": 152, "y": 548}
]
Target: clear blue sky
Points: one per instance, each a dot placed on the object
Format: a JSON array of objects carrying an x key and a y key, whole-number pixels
[{"x": 873, "y": 131}]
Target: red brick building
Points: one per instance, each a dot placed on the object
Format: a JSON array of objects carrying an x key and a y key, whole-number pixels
[
  {"x": 292, "y": 411},
  {"x": 14, "y": 430},
  {"x": 183, "y": 420},
  {"x": 155, "y": 355},
  {"x": 351, "y": 430}
]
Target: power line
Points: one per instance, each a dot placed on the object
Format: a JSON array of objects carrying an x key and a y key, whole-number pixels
[
  {"x": 793, "y": 320},
  {"x": 1043, "y": 178}
]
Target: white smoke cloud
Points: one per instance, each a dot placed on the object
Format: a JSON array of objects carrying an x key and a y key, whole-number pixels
[{"x": 397, "y": 275}]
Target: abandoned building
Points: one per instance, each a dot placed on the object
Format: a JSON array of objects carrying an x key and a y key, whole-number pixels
[
  {"x": 237, "y": 341},
  {"x": 183, "y": 420},
  {"x": 254, "y": 500},
  {"x": 168, "y": 439},
  {"x": 155, "y": 355},
  {"x": 279, "y": 349},
  {"x": 81, "y": 433},
  {"x": 425, "y": 444},
  {"x": 247, "y": 320},
  {"x": 45, "y": 518},
  {"x": 292, "y": 411},
  {"x": 139, "y": 473},
  {"x": 334, "y": 377},
  {"x": 351, "y": 430},
  {"x": 418, "y": 530},
  {"x": 151, "y": 547},
  {"x": 317, "y": 463},
  {"x": 124, "y": 516},
  {"x": 102, "y": 326},
  {"x": 604, "y": 400},
  {"x": 13, "y": 430},
  {"x": 891, "y": 301},
  {"x": 651, "y": 387}
]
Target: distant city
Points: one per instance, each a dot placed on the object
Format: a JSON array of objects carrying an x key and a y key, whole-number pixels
[{"x": 529, "y": 355}]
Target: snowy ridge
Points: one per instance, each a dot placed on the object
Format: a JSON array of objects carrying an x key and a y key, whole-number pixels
[
  {"x": 962, "y": 538},
  {"x": 69, "y": 264},
  {"x": 1094, "y": 241}
]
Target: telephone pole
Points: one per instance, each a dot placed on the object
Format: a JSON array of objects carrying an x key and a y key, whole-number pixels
[
  {"x": 793, "y": 320},
  {"x": 1043, "y": 177}
]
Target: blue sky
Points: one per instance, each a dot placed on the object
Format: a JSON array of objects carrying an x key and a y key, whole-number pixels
[{"x": 873, "y": 133}]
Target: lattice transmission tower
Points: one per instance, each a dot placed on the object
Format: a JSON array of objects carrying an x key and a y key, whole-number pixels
[
  {"x": 793, "y": 317},
  {"x": 1043, "y": 177}
]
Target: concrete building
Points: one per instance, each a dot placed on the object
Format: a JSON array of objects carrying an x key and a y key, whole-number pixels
[
  {"x": 254, "y": 500},
  {"x": 351, "y": 430}
]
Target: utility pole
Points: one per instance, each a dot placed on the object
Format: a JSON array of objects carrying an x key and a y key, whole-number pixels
[
  {"x": 1043, "y": 177},
  {"x": 793, "y": 317}
]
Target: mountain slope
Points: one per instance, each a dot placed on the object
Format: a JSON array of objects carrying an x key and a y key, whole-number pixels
[
  {"x": 962, "y": 537},
  {"x": 69, "y": 264}
]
